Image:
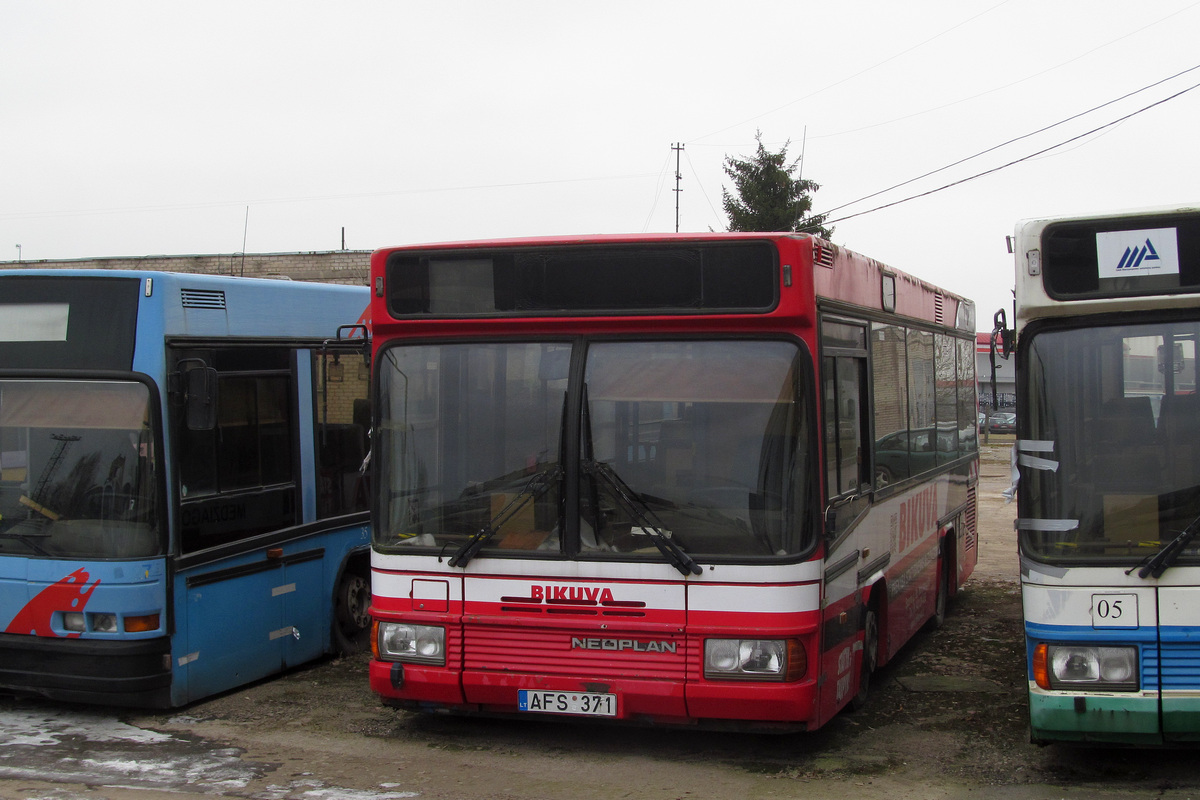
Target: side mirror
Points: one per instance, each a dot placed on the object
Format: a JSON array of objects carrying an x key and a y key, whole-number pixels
[
  {"x": 200, "y": 398},
  {"x": 357, "y": 332},
  {"x": 1003, "y": 339},
  {"x": 1002, "y": 335}
]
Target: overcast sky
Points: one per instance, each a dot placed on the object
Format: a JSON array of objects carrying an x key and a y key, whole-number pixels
[{"x": 141, "y": 128}]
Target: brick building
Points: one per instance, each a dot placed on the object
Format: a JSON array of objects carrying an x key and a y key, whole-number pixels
[
  {"x": 353, "y": 267},
  {"x": 333, "y": 266},
  {"x": 342, "y": 379}
]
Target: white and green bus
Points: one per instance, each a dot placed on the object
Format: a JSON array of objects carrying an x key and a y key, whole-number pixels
[{"x": 1108, "y": 459}]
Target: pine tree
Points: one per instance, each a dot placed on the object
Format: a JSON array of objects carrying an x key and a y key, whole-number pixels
[{"x": 767, "y": 197}]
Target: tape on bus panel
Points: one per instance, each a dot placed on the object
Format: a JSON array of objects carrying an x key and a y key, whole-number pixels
[{"x": 1033, "y": 462}]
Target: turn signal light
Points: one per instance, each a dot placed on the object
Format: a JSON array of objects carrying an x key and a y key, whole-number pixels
[
  {"x": 797, "y": 660},
  {"x": 141, "y": 624},
  {"x": 1041, "y": 670}
]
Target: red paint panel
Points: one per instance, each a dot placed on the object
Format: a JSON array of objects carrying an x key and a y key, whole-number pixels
[
  {"x": 68, "y": 594},
  {"x": 426, "y": 684},
  {"x": 784, "y": 702}
]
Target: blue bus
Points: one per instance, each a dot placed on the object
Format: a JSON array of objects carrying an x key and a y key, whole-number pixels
[
  {"x": 1108, "y": 457},
  {"x": 183, "y": 503}
]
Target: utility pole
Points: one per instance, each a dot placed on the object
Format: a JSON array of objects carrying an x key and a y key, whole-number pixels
[{"x": 678, "y": 148}]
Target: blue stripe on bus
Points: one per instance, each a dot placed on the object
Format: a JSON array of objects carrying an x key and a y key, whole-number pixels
[{"x": 1180, "y": 647}]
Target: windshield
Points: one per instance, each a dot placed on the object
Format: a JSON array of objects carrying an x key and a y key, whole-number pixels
[
  {"x": 77, "y": 470},
  {"x": 654, "y": 449},
  {"x": 1110, "y": 460}
]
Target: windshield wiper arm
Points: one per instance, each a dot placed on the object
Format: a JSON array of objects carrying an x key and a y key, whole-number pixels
[
  {"x": 537, "y": 485},
  {"x": 1158, "y": 563},
  {"x": 637, "y": 508},
  {"x": 27, "y": 538}
]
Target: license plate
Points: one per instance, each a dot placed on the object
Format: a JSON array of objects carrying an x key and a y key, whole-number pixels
[{"x": 587, "y": 703}]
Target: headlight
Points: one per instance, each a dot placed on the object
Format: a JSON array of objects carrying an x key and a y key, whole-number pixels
[
  {"x": 1059, "y": 666},
  {"x": 74, "y": 621},
  {"x": 418, "y": 644},
  {"x": 754, "y": 659}
]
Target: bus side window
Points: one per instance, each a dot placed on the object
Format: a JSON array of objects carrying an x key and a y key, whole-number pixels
[
  {"x": 846, "y": 460},
  {"x": 845, "y": 396},
  {"x": 237, "y": 480},
  {"x": 845, "y": 391},
  {"x": 343, "y": 419}
]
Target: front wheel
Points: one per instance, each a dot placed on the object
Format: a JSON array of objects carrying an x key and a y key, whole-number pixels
[
  {"x": 943, "y": 595},
  {"x": 942, "y": 600},
  {"x": 351, "y": 613},
  {"x": 870, "y": 658}
]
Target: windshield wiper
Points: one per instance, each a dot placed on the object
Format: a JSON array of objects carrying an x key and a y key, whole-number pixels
[
  {"x": 537, "y": 485},
  {"x": 637, "y": 508},
  {"x": 27, "y": 537},
  {"x": 1158, "y": 563}
]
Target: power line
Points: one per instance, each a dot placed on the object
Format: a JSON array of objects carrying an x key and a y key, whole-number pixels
[
  {"x": 954, "y": 102},
  {"x": 857, "y": 74},
  {"x": 313, "y": 198},
  {"x": 1017, "y": 139},
  {"x": 1017, "y": 161},
  {"x": 657, "y": 192},
  {"x": 1011, "y": 84},
  {"x": 703, "y": 191}
]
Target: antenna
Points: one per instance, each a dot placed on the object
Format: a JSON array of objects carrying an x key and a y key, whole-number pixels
[
  {"x": 800, "y": 174},
  {"x": 678, "y": 148},
  {"x": 803, "y": 144},
  {"x": 245, "y": 232}
]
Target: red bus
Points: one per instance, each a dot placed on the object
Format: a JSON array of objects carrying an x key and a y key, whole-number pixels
[{"x": 711, "y": 479}]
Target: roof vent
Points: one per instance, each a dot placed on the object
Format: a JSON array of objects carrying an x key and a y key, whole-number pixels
[
  {"x": 822, "y": 254},
  {"x": 939, "y": 309},
  {"x": 203, "y": 298}
]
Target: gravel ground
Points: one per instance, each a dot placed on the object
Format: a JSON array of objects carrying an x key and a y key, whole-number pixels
[{"x": 947, "y": 718}]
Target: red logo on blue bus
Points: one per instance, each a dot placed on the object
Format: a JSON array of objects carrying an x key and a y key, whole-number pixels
[{"x": 68, "y": 594}]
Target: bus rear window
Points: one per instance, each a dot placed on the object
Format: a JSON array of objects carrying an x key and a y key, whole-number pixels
[{"x": 695, "y": 278}]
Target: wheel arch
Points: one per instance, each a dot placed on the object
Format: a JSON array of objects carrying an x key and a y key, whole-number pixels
[{"x": 355, "y": 568}]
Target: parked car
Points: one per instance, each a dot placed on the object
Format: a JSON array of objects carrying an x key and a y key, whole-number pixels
[
  {"x": 899, "y": 455},
  {"x": 982, "y": 422},
  {"x": 1002, "y": 422}
]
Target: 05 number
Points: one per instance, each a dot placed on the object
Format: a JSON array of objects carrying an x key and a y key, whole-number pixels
[{"x": 1114, "y": 611}]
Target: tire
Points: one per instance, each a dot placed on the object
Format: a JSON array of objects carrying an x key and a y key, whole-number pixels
[
  {"x": 870, "y": 658},
  {"x": 943, "y": 592},
  {"x": 351, "y": 612}
]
